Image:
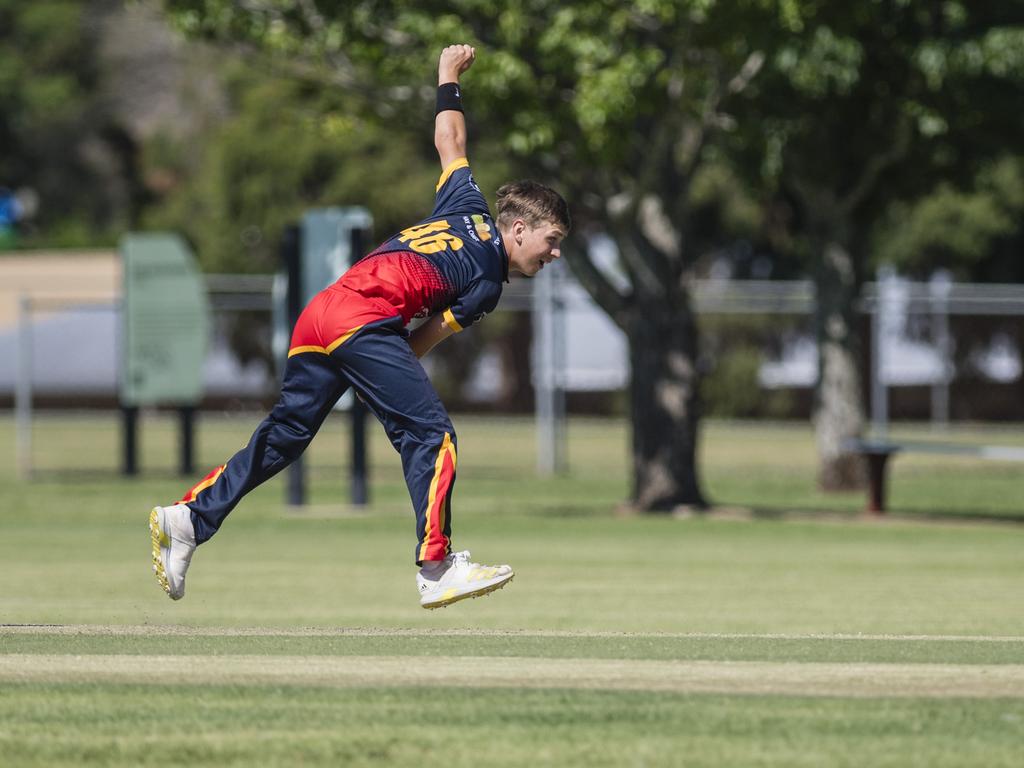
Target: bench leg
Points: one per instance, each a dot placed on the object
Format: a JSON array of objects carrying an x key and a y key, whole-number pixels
[{"x": 877, "y": 463}]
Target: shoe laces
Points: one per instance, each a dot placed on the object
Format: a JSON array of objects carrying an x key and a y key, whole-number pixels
[{"x": 460, "y": 558}]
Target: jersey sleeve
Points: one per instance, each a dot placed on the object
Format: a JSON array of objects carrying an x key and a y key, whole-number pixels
[
  {"x": 472, "y": 304},
  {"x": 457, "y": 191}
]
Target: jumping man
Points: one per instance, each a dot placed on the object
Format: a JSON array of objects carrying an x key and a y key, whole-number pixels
[{"x": 449, "y": 269}]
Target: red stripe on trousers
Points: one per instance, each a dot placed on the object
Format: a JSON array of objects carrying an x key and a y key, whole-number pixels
[
  {"x": 437, "y": 545},
  {"x": 202, "y": 485}
]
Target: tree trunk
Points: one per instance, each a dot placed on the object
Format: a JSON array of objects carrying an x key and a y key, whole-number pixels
[
  {"x": 839, "y": 408},
  {"x": 664, "y": 403}
]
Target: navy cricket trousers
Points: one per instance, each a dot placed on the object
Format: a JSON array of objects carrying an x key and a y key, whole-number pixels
[{"x": 375, "y": 359}]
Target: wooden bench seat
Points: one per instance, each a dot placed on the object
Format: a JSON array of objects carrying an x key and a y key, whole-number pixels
[{"x": 877, "y": 453}]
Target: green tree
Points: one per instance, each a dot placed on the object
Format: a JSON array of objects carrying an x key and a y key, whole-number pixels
[
  {"x": 861, "y": 105},
  {"x": 616, "y": 104},
  {"x": 286, "y": 145},
  {"x": 974, "y": 230},
  {"x": 57, "y": 136}
]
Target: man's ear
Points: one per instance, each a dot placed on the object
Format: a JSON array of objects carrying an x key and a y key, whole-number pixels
[{"x": 518, "y": 227}]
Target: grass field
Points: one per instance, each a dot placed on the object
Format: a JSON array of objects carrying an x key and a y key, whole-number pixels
[{"x": 727, "y": 639}]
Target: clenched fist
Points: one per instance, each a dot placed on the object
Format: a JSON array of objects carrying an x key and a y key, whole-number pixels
[{"x": 455, "y": 59}]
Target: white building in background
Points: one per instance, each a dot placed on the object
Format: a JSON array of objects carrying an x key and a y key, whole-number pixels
[
  {"x": 906, "y": 358},
  {"x": 76, "y": 330},
  {"x": 76, "y": 327}
]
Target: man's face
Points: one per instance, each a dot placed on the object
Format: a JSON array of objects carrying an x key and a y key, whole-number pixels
[{"x": 534, "y": 247}]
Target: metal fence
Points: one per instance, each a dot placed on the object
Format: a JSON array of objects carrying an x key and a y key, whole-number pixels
[{"x": 576, "y": 348}]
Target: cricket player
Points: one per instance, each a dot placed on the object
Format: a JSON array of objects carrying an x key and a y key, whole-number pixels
[{"x": 449, "y": 269}]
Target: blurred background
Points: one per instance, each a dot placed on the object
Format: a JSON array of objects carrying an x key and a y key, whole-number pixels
[{"x": 796, "y": 225}]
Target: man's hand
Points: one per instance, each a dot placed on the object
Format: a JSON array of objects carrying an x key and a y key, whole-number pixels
[
  {"x": 455, "y": 59},
  {"x": 429, "y": 334},
  {"x": 450, "y": 123}
]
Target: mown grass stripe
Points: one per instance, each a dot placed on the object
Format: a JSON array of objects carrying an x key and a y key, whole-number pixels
[
  {"x": 188, "y": 641},
  {"x": 198, "y": 631},
  {"x": 732, "y": 677}
]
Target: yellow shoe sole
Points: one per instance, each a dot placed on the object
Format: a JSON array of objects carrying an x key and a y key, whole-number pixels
[
  {"x": 478, "y": 593},
  {"x": 157, "y": 539}
]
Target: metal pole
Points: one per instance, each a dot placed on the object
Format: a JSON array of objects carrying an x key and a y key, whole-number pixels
[
  {"x": 359, "y": 490},
  {"x": 130, "y": 428},
  {"x": 543, "y": 377},
  {"x": 188, "y": 429},
  {"x": 291, "y": 255},
  {"x": 23, "y": 389},
  {"x": 939, "y": 288},
  {"x": 559, "y": 366},
  {"x": 549, "y": 359},
  {"x": 879, "y": 323}
]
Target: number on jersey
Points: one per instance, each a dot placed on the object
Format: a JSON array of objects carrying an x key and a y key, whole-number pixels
[{"x": 431, "y": 237}]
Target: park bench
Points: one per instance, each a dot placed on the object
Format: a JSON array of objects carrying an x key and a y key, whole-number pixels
[{"x": 877, "y": 453}]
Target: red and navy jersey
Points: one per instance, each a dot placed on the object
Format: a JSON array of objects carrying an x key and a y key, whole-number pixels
[{"x": 452, "y": 262}]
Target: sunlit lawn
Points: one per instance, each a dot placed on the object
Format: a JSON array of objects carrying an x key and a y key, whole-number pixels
[{"x": 729, "y": 588}]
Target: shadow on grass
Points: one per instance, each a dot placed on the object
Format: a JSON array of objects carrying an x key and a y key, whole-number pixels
[
  {"x": 571, "y": 510},
  {"x": 78, "y": 476},
  {"x": 797, "y": 512}
]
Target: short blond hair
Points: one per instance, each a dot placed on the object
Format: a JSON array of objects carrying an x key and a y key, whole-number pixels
[{"x": 534, "y": 203}]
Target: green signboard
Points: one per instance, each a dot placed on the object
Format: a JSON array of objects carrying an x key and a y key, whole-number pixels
[
  {"x": 325, "y": 248},
  {"x": 327, "y": 245},
  {"x": 166, "y": 322}
]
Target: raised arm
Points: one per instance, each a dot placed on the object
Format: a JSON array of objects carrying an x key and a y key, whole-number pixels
[{"x": 450, "y": 124}]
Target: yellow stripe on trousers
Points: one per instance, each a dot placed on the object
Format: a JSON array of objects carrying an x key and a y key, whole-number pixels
[
  {"x": 446, "y": 449},
  {"x": 202, "y": 486},
  {"x": 329, "y": 348}
]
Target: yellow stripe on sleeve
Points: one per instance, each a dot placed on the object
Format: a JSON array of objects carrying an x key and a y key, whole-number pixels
[
  {"x": 452, "y": 168},
  {"x": 450, "y": 321}
]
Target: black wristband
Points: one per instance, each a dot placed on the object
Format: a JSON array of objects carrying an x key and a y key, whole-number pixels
[{"x": 449, "y": 96}]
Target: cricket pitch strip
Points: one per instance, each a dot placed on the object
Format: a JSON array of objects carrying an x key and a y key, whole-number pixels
[{"x": 796, "y": 678}]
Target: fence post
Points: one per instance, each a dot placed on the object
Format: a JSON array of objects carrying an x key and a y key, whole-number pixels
[
  {"x": 359, "y": 491},
  {"x": 23, "y": 389},
  {"x": 130, "y": 437},
  {"x": 549, "y": 370},
  {"x": 291, "y": 256},
  {"x": 880, "y": 321},
  {"x": 939, "y": 288},
  {"x": 187, "y": 418}
]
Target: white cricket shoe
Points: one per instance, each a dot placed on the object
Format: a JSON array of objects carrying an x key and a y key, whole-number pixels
[
  {"x": 174, "y": 541},
  {"x": 459, "y": 579}
]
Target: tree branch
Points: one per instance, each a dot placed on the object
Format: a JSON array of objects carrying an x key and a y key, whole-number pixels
[
  {"x": 747, "y": 72},
  {"x": 318, "y": 25},
  {"x": 644, "y": 274},
  {"x": 342, "y": 71},
  {"x": 876, "y": 166},
  {"x": 693, "y": 144},
  {"x": 594, "y": 281}
]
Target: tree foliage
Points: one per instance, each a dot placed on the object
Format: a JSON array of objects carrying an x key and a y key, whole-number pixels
[
  {"x": 840, "y": 108},
  {"x": 615, "y": 104},
  {"x": 863, "y": 106},
  {"x": 57, "y": 135},
  {"x": 834, "y": 110},
  {"x": 866, "y": 103},
  {"x": 975, "y": 231},
  {"x": 283, "y": 148},
  {"x": 576, "y": 92}
]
